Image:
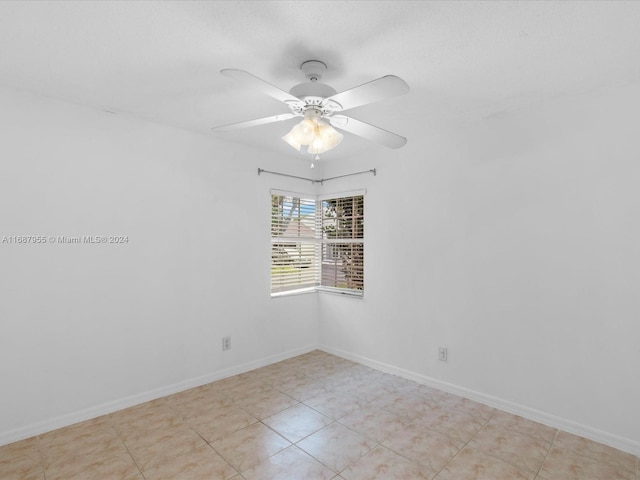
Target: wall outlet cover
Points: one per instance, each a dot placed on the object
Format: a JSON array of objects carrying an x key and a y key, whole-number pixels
[{"x": 442, "y": 354}]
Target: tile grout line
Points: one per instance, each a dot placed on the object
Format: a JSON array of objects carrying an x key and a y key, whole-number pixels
[
  {"x": 463, "y": 447},
  {"x": 291, "y": 444},
  {"x": 135, "y": 462},
  {"x": 508, "y": 462},
  {"x": 333, "y": 420},
  {"x": 44, "y": 470},
  {"x": 411, "y": 460},
  {"x": 185, "y": 423},
  {"x": 206, "y": 442},
  {"x": 414, "y": 461},
  {"x": 209, "y": 444},
  {"x": 337, "y": 420},
  {"x": 41, "y": 453},
  {"x": 345, "y": 426},
  {"x": 585, "y": 455},
  {"x": 261, "y": 421},
  {"x": 547, "y": 454}
]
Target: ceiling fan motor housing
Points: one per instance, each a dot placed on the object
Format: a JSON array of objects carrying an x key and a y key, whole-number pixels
[
  {"x": 312, "y": 92},
  {"x": 316, "y": 89},
  {"x": 311, "y": 95}
]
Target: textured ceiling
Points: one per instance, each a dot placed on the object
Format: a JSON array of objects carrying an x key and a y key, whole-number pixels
[{"x": 464, "y": 61}]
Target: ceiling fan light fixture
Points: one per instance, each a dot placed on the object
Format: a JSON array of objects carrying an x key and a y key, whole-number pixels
[
  {"x": 317, "y": 135},
  {"x": 291, "y": 140},
  {"x": 329, "y": 136},
  {"x": 304, "y": 132},
  {"x": 316, "y": 147}
]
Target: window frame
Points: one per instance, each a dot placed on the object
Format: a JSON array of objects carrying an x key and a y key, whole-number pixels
[{"x": 320, "y": 241}]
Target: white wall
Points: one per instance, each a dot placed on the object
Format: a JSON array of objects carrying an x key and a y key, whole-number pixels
[
  {"x": 514, "y": 243},
  {"x": 85, "y": 329}
]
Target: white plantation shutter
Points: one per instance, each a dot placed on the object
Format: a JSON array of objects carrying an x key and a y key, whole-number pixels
[
  {"x": 294, "y": 244},
  {"x": 317, "y": 243}
]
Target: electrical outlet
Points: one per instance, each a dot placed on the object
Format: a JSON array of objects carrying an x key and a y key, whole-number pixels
[
  {"x": 226, "y": 343},
  {"x": 442, "y": 354}
]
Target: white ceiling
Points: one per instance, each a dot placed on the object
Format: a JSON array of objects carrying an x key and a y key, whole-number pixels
[{"x": 464, "y": 61}]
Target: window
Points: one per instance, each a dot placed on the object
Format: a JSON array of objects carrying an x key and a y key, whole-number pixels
[
  {"x": 294, "y": 257},
  {"x": 317, "y": 244},
  {"x": 343, "y": 243}
]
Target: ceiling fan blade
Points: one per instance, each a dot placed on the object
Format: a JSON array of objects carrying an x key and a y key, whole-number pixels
[
  {"x": 262, "y": 85},
  {"x": 373, "y": 91},
  {"x": 365, "y": 130},
  {"x": 254, "y": 123}
]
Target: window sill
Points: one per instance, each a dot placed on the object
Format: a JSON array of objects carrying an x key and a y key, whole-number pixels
[
  {"x": 290, "y": 293},
  {"x": 330, "y": 291},
  {"x": 343, "y": 293}
]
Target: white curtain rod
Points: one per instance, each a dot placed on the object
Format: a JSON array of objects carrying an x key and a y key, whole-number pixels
[{"x": 322, "y": 180}]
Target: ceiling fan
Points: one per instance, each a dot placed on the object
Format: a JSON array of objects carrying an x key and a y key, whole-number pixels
[{"x": 321, "y": 107}]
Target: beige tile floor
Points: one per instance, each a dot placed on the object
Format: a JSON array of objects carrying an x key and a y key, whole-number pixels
[{"x": 315, "y": 416}]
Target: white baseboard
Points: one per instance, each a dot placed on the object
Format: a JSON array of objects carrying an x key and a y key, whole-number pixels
[
  {"x": 615, "y": 441},
  {"x": 130, "y": 401},
  {"x": 596, "y": 435}
]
